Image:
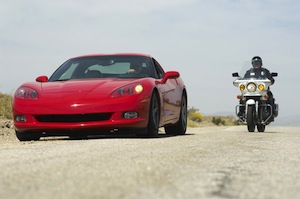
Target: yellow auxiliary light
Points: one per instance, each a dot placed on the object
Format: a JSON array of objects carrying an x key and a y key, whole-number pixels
[
  {"x": 261, "y": 87},
  {"x": 242, "y": 87}
]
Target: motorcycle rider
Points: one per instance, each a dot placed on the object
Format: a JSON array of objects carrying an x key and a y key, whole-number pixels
[{"x": 258, "y": 72}]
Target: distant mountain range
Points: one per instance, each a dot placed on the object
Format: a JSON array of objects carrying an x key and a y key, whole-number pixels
[
  {"x": 293, "y": 120},
  {"x": 287, "y": 120}
]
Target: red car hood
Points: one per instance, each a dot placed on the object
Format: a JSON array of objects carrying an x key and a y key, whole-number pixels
[
  {"x": 78, "y": 96},
  {"x": 82, "y": 85}
]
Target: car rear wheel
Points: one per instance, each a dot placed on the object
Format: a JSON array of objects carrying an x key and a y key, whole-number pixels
[
  {"x": 180, "y": 127},
  {"x": 154, "y": 116},
  {"x": 27, "y": 136}
]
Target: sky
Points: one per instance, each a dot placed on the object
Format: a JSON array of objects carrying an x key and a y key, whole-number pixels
[{"x": 205, "y": 40}]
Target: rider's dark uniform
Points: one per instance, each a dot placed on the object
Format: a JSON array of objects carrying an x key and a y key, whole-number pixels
[{"x": 259, "y": 73}]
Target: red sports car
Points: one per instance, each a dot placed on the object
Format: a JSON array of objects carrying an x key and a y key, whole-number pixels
[{"x": 102, "y": 93}]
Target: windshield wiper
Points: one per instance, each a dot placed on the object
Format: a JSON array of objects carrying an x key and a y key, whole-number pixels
[{"x": 60, "y": 80}]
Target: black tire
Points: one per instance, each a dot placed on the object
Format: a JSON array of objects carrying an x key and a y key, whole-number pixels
[
  {"x": 27, "y": 136},
  {"x": 78, "y": 137},
  {"x": 154, "y": 116},
  {"x": 261, "y": 127},
  {"x": 250, "y": 118},
  {"x": 180, "y": 127}
]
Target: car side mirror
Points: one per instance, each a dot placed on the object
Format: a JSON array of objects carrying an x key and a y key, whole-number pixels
[
  {"x": 274, "y": 74},
  {"x": 42, "y": 79},
  {"x": 235, "y": 75},
  {"x": 170, "y": 75}
]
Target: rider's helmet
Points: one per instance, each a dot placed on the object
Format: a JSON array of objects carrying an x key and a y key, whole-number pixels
[{"x": 256, "y": 62}]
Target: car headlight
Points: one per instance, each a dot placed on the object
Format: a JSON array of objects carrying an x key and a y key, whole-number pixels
[
  {"x": 251, "y": 87},
  {"x": 130, "y": 89},
  {"x": 26, "y": 93},
  {"x": 261, "y": 87}
]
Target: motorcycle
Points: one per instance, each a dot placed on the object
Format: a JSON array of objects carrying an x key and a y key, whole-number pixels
[{"x": 255, "y": 109}]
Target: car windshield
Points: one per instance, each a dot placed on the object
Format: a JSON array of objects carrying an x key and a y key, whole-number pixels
[{"x": 104, "y": 67}]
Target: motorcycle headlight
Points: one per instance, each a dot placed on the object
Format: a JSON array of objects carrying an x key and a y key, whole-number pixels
[
  {"x": 261, "y": 87},
  {"x": 242, "y": 87},
  {"x": 251, "y": 87}
]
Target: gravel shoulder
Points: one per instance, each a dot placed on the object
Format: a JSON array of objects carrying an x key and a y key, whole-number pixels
[{"x": 6, "y": 131}]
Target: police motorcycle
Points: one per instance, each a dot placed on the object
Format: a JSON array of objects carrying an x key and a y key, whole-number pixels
[{"x": 256, "y": 109}]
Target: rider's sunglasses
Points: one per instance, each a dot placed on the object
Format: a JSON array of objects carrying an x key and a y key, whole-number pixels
[{"x": 256, "y": 62}]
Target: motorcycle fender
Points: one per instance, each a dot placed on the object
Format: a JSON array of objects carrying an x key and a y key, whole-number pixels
[{"x": 250, "y": 102}]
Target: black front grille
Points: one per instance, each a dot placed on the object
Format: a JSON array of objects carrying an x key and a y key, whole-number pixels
[{"x": 74, "y": 118}]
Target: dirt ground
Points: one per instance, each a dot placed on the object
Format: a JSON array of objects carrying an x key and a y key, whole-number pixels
[{"x": 7, "y": 132}]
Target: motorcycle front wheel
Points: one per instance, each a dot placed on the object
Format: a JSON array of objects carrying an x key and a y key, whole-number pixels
[
  {"x": 250, "y": 118},
  {"x": 261, "y": 127}
]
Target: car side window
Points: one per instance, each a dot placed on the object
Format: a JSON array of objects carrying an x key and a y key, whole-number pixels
[{"x": 159, "y": 73}]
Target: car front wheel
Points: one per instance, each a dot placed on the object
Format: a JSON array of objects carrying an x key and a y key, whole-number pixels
[{"x": 154, "y": 116}]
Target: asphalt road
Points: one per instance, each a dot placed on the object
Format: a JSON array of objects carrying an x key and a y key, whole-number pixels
[{"x": 208, "y": 162}]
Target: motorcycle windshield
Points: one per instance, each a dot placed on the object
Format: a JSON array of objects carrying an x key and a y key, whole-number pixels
[
  {"x": 245, "y": 66},
  {"x": 252, "y": 78}
]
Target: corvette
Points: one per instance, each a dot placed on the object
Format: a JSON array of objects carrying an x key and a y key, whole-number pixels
[{"x": 100, "y": 94}]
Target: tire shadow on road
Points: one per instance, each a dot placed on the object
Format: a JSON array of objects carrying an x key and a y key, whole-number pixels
[
  {"x": 113, "y": 136},
  {"x": 130, "y": 136}
]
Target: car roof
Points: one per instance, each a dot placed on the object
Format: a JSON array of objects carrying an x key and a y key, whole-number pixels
[{"x": 115, "y": 54}]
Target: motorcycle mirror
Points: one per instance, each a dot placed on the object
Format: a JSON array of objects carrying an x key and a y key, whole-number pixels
[
  {"x": 235, "y": 74},
  {"x": 274, "y": 74}
]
